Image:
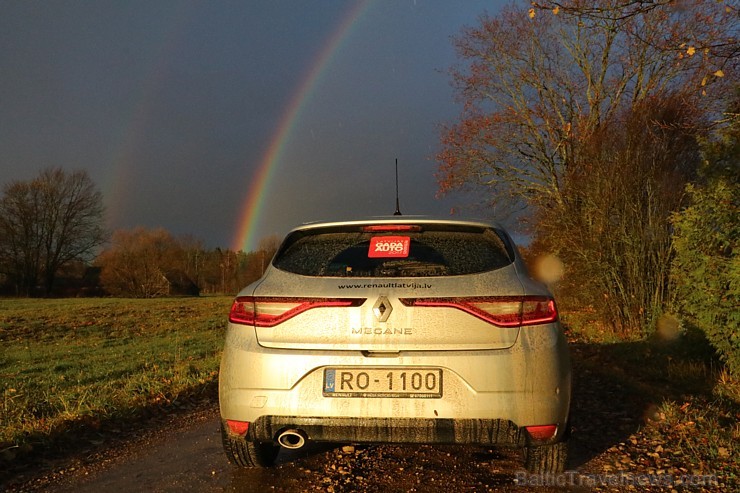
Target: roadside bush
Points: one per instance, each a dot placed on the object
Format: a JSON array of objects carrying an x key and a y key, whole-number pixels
[
  {"x": 706, "y": 266},
  {"x": 612, "y": 231}
]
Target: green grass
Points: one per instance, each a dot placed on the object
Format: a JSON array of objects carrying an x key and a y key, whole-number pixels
[{"x": 71, "y": 362}]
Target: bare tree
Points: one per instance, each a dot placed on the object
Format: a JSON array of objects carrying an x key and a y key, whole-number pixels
[
  {"x": 536, "y": 83},
  {"x": 47, "y": 222},
  {"x": 583, "y": 112}
]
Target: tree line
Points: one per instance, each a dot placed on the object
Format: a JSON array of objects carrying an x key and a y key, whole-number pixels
[
  {"x": 53, "y": 242},
  {"x": 151, "y": 262},
  {"x": 614, "y": 126}
]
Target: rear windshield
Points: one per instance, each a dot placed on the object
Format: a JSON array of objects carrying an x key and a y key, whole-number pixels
[{"x": 427, "y": 251}]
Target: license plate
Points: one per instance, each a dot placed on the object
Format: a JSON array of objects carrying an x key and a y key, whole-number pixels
[{"x": 383, "y": 382}]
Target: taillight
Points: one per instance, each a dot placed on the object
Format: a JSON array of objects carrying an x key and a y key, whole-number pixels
[
  {"x": 538, "y": 311},
  {"x": 380, "y": 228},
  {"x": 506, "y": 311},
  {"x": 268, "y": 312}
]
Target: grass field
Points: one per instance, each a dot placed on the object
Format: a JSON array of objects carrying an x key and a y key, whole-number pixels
[{"x": 71, "y": 362}]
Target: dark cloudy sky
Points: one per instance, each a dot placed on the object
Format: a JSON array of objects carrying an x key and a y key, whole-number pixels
[{"x": 176, "y": 107}]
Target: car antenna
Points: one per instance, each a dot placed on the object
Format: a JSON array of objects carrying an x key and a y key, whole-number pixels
[{"x": 398, "y": 208}]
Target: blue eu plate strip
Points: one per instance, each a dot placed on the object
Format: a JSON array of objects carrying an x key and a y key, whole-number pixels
[{"x": 329, "y": 376}]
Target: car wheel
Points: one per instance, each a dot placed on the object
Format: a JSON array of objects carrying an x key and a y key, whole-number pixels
[
  {"x": 246, "y": 453},
  {"x": 546, "y": 459}
]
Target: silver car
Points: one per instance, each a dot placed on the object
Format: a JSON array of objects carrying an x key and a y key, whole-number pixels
[{"x": 397, "y": 329}]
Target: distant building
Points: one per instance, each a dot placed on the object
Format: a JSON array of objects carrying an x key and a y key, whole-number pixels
[{"x": 178, "y": 283}]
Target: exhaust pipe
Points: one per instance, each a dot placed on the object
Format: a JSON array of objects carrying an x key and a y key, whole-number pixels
[{"x": 292, "y": 439}]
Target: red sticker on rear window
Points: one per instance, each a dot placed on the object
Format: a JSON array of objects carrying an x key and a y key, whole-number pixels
[{"x": 389, "y": 247}]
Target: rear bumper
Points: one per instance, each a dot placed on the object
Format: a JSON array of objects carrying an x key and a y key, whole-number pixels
[
  {"x": 396, "y": 430},
  {"x": 488, "y": 397}
]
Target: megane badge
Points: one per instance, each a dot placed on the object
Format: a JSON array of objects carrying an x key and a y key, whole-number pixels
[{"x": 382, "y": 309}]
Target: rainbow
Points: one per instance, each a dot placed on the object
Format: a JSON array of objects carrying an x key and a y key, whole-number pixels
[
  {"x": 117, "y": 182},
  {"x": 251, "y": 210}
]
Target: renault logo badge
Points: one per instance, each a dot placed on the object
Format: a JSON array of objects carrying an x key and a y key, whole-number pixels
[{"x": 382, "y": 309}]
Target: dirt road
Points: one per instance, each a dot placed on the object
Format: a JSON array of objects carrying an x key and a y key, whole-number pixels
[
  {"x": 183, "y": 453},
  {"x": 192, "y": 459}
]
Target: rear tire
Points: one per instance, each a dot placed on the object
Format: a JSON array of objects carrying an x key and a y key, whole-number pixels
[
  {"x": 546, "y": 459},
  {"x": 246, "y": 453}
]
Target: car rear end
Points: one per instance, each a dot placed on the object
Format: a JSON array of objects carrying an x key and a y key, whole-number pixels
[{"x": 395, "y": 330}]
